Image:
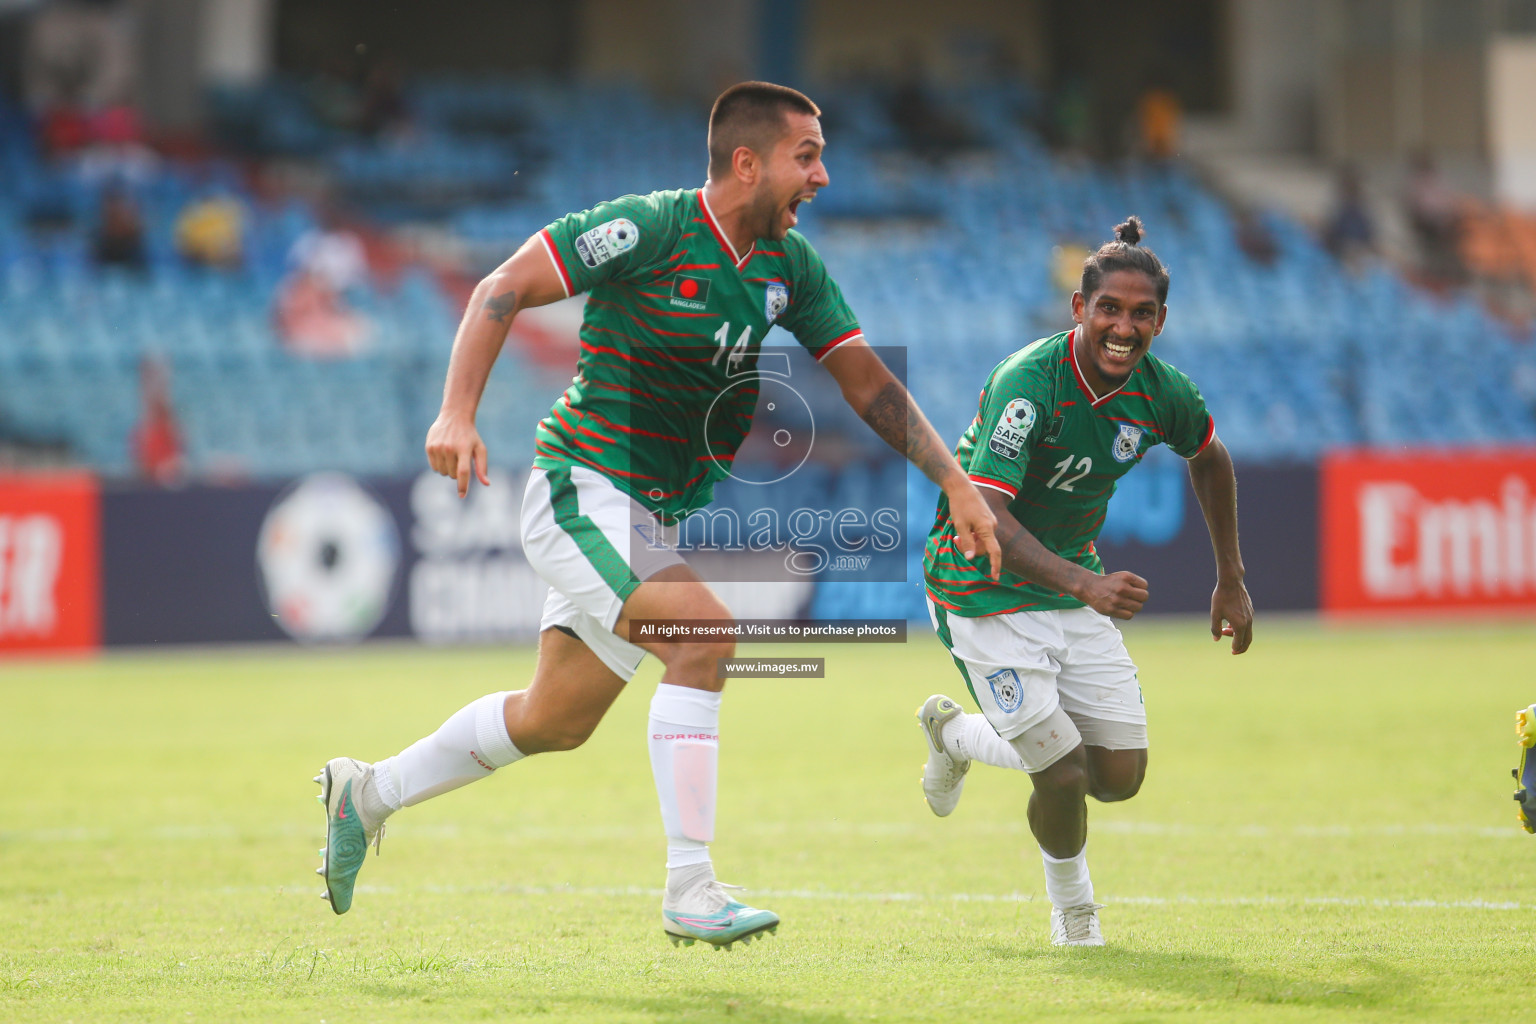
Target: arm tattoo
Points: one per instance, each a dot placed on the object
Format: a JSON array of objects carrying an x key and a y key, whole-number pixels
[
  {"x": 500, "y": 307},
  {"x": 887, "y": 416},
  {"x": 894, "y": 416}
]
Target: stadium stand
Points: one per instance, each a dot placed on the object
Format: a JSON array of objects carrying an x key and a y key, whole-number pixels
[{"x": 951, "y": 259}]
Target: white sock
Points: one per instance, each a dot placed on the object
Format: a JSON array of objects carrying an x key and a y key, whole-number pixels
[
  {"x": 1066, "y": 881},
  {"x": 466, "y": 748},
  {"x": 684, "y": 731},
  {"x": 972, "y": 738}
]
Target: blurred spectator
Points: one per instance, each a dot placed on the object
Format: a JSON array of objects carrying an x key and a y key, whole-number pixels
[
  {"x": 1072, "y": 117},
  {"x": 157, "y": 448},
  {"x": 1067, "y": 266},
  {"x": 1350, "y": 233},
  {"x": 64, "y": 129},
  {"x": 79, "y": 56},
  {"x": 210, "y": 231},
  {"x": 78, "y": 73},
  {"x": 1158, "y": 120},
  {"x": 1434, "y": 213},
  {"x": 332, "y": 253},
  {"x": 928, "y": 129},
  {"x": 384, "y": 111},
  {"x": 119, "y": 240},
  {"x": 1254, "y": 237},
  {"x": 314, "y": 320}
]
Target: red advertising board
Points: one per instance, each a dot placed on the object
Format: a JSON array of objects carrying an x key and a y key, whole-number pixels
[
  {"x": 1434, "y": 531},
  {"x": 50, "y": 562}
]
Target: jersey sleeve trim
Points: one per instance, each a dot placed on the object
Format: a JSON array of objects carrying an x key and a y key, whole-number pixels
[
  {"x": 845, "y": 337},
  {"x": 1210, "y": 434},
  {"x": 554, "y": 257},
  {"x": 996, "y": 485}
]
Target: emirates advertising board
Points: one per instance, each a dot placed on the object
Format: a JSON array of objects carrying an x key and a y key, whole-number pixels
[
  {"x": 49, "y": 563},
  {"x": 1429, "y": 531}
]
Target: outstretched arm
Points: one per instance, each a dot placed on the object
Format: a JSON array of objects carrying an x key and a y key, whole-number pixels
[
  {"x": 527, "y": 279},
  {"x": 876, "y": 395},
  {"x": 1119, "y": 595},
  {"x": 1215, "y": 485}
]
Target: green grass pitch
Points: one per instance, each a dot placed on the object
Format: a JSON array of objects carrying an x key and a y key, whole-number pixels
[{"x": 1326, "y": 833}]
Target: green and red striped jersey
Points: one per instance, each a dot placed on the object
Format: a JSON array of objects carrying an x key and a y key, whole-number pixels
[
  {"x": 1042, "y": 437},
  {"x": 664, "y": 392}
]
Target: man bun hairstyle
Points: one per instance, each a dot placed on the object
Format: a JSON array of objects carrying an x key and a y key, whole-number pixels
[
  {"x": 1125, "y": 253},
  {"x": 751, "y": 114}
]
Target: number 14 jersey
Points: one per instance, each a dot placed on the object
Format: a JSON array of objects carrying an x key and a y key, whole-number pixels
[{"x": 1043, "y": 438}]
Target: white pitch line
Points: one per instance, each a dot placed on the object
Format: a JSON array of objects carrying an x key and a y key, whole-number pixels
[
  {"x": 958, "y": 897},
  {"x": 200, "y": 833}
]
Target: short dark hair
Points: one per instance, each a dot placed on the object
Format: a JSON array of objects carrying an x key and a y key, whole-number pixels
[
  {"x": 1125, "y": 253},
  {"x": 751, "y": 114}
]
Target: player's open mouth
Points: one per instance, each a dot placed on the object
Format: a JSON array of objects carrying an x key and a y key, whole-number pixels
[
  {"x": 1120, "y": 352},
  {"x": 794, "y": 208}
]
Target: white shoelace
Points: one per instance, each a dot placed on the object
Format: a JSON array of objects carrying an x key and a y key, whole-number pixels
[{"x": 1077, "y": 922}]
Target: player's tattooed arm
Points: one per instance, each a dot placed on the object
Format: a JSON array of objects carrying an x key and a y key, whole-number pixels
[
  {"x": 897, "y": 419},
  {"x": 454, "y": 446},
  {"x": 1119, "y": 595},
  {"x": 1215, "y": 486},
  {"x": 880, "y": 399}
]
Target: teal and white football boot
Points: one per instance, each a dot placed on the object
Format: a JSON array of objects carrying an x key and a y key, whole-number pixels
[
  {"x": 702, "y": 911},
  {"x": 347, "y": 832},
  {"x": 943, "y": 775}
]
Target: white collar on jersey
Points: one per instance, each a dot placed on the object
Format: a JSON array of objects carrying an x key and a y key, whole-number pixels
[
  {"x": 1077, "y": 369},
  {"x": 714, "y": 225}
]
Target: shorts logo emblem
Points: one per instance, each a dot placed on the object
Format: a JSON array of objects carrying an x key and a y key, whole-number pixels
[{"x": 1006, "y": 689}]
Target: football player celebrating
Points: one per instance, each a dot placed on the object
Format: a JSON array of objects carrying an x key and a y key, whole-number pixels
[
  {"x": 1060, "y": 422},
  {"x": 683, "y": 286}
]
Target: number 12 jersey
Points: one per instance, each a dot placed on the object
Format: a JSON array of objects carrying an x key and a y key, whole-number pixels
[{"x": 1043, "y": 438}]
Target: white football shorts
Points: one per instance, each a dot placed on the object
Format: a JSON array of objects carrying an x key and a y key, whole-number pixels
[
  {"x": 593, "y": 544},
  {"x": 1022, "y": 666}
]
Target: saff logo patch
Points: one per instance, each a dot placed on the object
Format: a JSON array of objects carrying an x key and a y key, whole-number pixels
[
  {"x": 1013, "y": 428},
  {"x": 690, "y": 292},
  {"x": 607, "y": 240}
]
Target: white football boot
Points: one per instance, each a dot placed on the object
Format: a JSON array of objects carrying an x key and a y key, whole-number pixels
[
  {"x": 943, "y": 775},
  {"x": 1076, "y": 926}
]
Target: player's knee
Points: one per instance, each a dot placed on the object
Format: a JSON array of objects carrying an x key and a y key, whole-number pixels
[
  {"x": 1114, "y": 788},
  {"x": 1067, "y": 777},
  {"x": 1116, "y": 775},
  {"x": 699, "y": 664},
  {"x": 565, "y": 736},
  {"x": 546, "y": 735}
]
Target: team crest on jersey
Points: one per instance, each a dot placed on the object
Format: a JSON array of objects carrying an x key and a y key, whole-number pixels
[
  {"x": 1013, "y": 428},
  {"x": 1126, "y": 443},
  {"x": 607, "y": 240},
  {"x": 690, "y": 292},
  {"x": 776, "y": 301},
  {"x": 1006, "y": 689}
]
